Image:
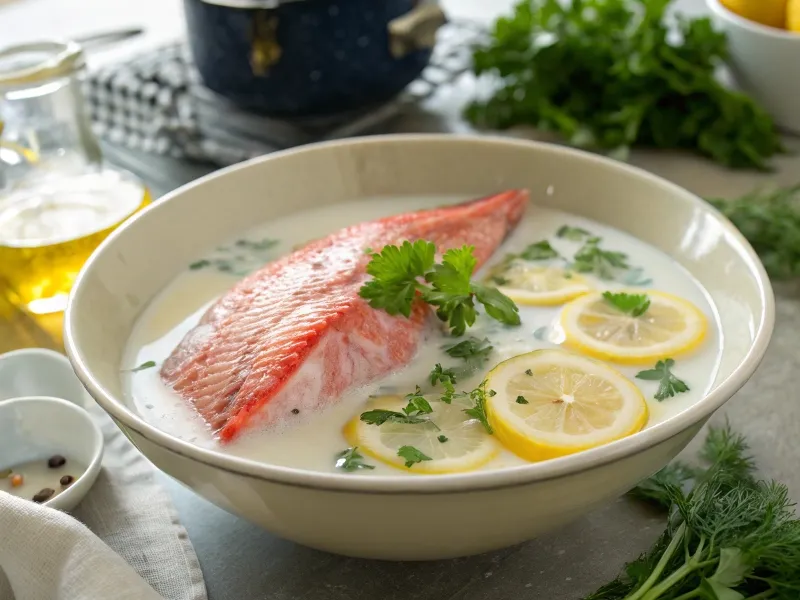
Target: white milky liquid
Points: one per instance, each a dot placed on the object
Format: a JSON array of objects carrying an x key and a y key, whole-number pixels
[{"x": 311, "y": 441}]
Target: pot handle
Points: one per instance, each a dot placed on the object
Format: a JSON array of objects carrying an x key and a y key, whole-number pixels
[{"x": 415, "y": 30}]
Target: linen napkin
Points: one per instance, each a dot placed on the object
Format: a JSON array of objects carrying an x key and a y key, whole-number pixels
[{"x": 123, "y": 541}]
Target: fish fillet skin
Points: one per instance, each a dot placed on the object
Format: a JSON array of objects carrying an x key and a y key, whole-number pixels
[{"x": 295, "y": 335}]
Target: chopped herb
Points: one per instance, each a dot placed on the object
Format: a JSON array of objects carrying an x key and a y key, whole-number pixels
[
  {"x": 669, "y": 384},
  {"x": 478, "y": 411},
  {"x": 576, "y": 234},
  {"x": 770, "y": 220},
  {"x": 528, "y": 372},
  {"x": 634, "y": 305},
  {"x": 636, "y": 277},
  {"x": 521, "y": 400},
  {"x": 396, "y": 272},
  {"x": 612, "y": 74},
  {"x": 442, "y": 439},
  {"x": 474, "y": 351},
  {"x": 351, "y": 460},
  {"x": 539, "y": 251},
  {"x": 379, "y": 416},
  {"x": 145, "y": 365},
  {"x": 417, "y": 404},
  {"x": 412, "y": 455},
  {"x": 257, "y": 245},
  {"x": 590, "y": 258},
  {"x": 541, "y": 333},
  {"x": 447, "y": 378},
  {"x": 200, "y": 264}
]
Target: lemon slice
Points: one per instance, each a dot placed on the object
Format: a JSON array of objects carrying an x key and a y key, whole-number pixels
[
  {"x": 670, "y": 326},
  {"x": 551, "y": 403},
  {"x": 467, "y": 445},
  {"x": 531, "y": 284}
]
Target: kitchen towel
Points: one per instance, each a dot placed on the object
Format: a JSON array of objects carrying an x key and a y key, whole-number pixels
[{"x": 122, "y": 542}]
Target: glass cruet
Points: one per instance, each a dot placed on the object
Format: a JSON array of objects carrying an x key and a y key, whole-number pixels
[{"x": 58, "y": 200}]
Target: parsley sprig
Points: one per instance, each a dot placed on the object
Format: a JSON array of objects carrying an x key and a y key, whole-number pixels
[
  {"x": 606, "y": 264},
  {"x": 478, "y": 411},
  {"x": 413, "y": 413},
  {"x": 634, "y": 305},
  {"x": 473, "y": 351},
  {"x": 412, "y": 455},
  {"x": 669, "y": 385},
  {"x": 397, "y": 272},
  {"x": 611, "y": 74},
  {"x": 351, "y": 460},
  {"x": 729, "y": 536},
  {"x": 447, "y": 378}
]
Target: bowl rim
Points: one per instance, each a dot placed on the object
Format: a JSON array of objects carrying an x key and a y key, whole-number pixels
[
  {"x": 725, "y": 13},
  {"x": 73, "y": 494},
  {"x": 440, "y": 484}
]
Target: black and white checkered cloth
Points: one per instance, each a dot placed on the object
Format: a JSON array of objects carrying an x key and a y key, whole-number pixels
[{"x": 156, "y": 103}]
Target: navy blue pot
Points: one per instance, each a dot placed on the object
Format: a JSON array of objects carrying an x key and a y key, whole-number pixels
[{"x": 310, "y": 57}]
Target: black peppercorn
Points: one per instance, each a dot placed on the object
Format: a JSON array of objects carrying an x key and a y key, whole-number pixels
[
  {"x": 43, "y": 495},
  {"x": 295, "y": 411},
  {"x": 56, "y": 461},
  {"x": 66, "y": 480}
]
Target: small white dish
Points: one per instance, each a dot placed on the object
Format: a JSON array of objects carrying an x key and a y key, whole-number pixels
[
  {"x": 39, "y": 372},
  {"x": 35, "y": 428},
  {"x": 765, "y": 61}
]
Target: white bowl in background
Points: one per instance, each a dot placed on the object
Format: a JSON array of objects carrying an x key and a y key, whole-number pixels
[
  {"x": 39, "y": 372},
  {"x": 36, "y": 427},
  {"x": 765, "y": 62},
  {"x": 458, "y": 514}
]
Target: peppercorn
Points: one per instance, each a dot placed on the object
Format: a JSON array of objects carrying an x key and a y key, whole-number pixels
[
  {"x": 56, "y": 461},
  {"x": 43, "y": 495}
]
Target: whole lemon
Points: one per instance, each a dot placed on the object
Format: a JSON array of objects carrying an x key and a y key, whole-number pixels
[
  {"x": 766, "y": 12},
  {"x": 793, "y": 15}
]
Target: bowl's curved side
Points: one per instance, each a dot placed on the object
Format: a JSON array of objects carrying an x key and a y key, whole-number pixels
[
  {"x": 141, "y": 257},
  {"x": 445, "y": 525}
]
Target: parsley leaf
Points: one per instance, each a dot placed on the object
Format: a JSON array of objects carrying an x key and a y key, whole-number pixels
[
  {"x": 478, "y": 396},
  {"x": 539, "y": 251},
  {"x": 522, "y": 400},
  {"x": 634, "y": 305},
  {"x": 669, "y": 384},
  {"x": 379, "y": 416},
  {"x": 590, "y": 258},
  {"x": 145, "y": 365},
  {"x": 611, "y": 74},
  {"x": 396, "y": 272},
  {"x": 417, "y": 404},
  {"x": 474, "y": 351},
  {"x": 576, "y": 234},
  {"x": 442, "y": 439},
  {"x": 351, "y": 460},
  {"x": 412, "y": 455},
  {"x": 447, "y": 378}
]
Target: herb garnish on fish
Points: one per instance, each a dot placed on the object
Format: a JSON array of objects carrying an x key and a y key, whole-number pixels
[
  {"x": 669, "y": 384},
  {"x": 396, "y": 272}
]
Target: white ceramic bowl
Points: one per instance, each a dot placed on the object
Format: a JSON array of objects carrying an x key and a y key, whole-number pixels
[
  {"x": 34, "y": 428},
  {"x": 453, "y": 514},
  {"x": 765, "y": 62},
  {"x": 39, "y": 372}
]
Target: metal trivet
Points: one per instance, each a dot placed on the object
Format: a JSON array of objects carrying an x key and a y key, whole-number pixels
[{"x": 156, "y": 103}]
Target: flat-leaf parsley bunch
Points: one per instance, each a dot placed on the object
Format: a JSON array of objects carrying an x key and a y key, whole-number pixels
[{"x": 610, "y": 74}]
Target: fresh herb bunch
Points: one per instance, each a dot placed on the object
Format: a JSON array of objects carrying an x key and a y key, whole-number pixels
[
  {"x": 609, "y": 74},
  {"x": 729, "y": 537},
  {"x": 397, "y": 272},
  {"x": 770, "y": 220}
]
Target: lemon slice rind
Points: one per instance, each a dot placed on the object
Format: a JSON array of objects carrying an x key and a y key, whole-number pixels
[
  {"x": 684, "y": 341},
  {"x": 551, "y": 285},
  {"x": 467, "y": 448},
  {"x": 528, "y": 442}
]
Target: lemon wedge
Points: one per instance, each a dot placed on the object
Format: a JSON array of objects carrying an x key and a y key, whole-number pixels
[
  {"x": 531, "y": 284},
  {"x": 551, "y": 403},
  {"x": 669, "y": 327},
  {"x": 452, "y": 441}
]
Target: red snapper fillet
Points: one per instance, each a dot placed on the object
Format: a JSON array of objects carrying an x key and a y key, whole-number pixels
[{"x": 295, "y": 334}]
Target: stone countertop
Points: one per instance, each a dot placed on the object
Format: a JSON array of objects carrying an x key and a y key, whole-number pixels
[{"x": 240, "y": 561}]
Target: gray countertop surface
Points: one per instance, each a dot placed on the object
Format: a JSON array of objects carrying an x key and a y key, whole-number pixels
[{"x": 241, "y": 561}]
